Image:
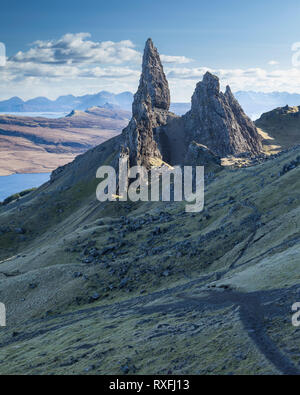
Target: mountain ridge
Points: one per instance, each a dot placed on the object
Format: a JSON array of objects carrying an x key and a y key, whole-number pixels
[
  {"x": 254, "y": 103},
  {"x": 67, "y": 103}
]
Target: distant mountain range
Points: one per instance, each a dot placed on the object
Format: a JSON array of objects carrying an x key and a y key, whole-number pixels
[
  {"x": 67, "y": 103},
  {"x": 253, "y": 103}
]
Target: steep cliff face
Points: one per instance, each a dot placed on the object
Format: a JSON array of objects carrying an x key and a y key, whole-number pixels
[
  {"x": 217, "y": 120},
  {"x": 150, "y": 110}
]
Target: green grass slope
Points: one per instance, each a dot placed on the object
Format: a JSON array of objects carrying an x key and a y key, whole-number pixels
[
  {"x": 280, "y": 128},
  {"x": 140, "y": 288}
]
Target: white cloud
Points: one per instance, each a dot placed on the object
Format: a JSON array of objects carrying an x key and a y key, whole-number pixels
[
  {"x": 76, "y": 64},
  {"x": 76, "y": 48},
  {"x": 183, "y": 80},
  {"x": 31, "y": 79},
  {"x": 175, "y": 59},
  {"x": 109, "y": 72},
  {"x": 187, "y": 73},
  {"x": 70, "y": 64},
  {"x": 273, "y": 63}
]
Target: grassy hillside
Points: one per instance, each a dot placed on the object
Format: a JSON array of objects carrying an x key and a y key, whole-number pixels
[
  {"x": 280, "y": 128},
  {"x": 121, "y": 288}
]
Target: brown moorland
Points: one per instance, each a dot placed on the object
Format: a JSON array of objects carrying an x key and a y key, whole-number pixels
[{"x": 40, "y": 145}]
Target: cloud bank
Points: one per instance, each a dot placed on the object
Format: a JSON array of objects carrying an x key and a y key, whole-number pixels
[
  {"x": 76, "y": 64},
  {"x": 77, "y": 49}
]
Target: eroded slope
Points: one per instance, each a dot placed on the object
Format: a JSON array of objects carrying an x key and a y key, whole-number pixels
[{"x": 89, "y": 292}]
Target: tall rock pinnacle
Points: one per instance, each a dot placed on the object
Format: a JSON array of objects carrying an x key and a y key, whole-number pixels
[
  {"x": 150, "y": 110},
  {"x": 153, "y": 87},
  {"x": 218, "y": 121}
]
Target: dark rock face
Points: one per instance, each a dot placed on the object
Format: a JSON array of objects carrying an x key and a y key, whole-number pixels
[
  {"x": 217, "y": 121},
  {"x": 200, "y": 155},
  {"x": 150, "y": 110},
  {"x": 153, "y": 87}
]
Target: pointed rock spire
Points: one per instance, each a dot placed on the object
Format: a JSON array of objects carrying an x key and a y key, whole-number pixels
[
  {"x": 211, "y": 82},
  {"x": 153, "y": 88},
  {"x": 150, "y": 110}
]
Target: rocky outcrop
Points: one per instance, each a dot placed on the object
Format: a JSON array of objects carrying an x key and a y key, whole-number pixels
[
  {"x": 217, "y": 121},
  {"x": 200, "y": 155},
  {"x": 150, "y": 110},
  {"x": 280, "y": 128}
]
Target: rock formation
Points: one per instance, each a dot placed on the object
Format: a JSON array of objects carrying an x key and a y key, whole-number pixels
[
  {"x": 150, "y": 110},
  {"x": 200, "y": 155},
  {"x": 217, "y": 121}
]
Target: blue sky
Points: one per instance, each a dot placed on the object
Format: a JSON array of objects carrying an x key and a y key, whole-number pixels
[{"x": 248, "y": 44}]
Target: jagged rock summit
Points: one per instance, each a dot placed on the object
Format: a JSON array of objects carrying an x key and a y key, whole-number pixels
[
  {"x": 150, "y": 110},
  {"x": 154, "y": 87},
  {"x": 216, "y": 120}
]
